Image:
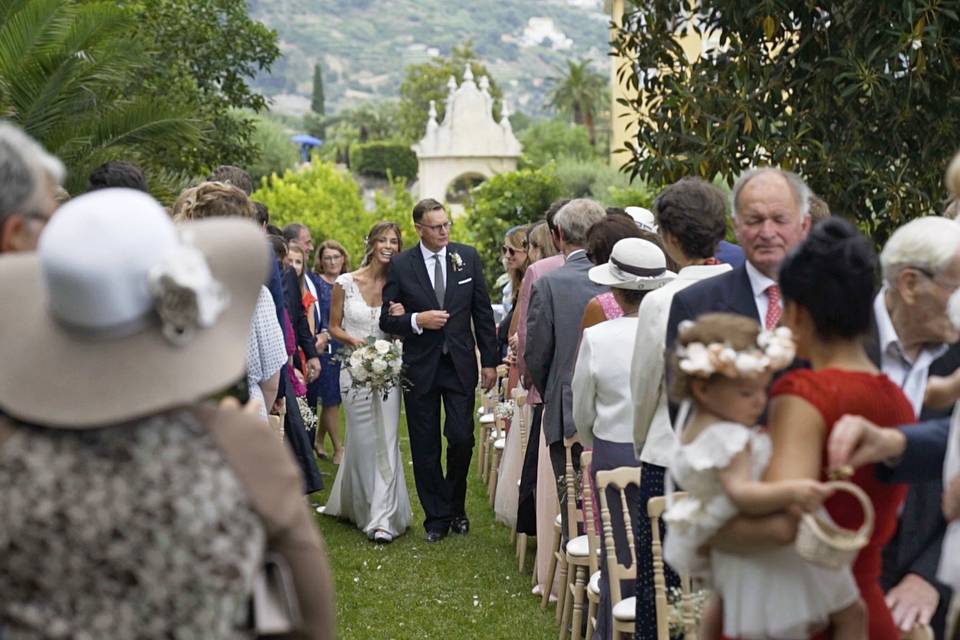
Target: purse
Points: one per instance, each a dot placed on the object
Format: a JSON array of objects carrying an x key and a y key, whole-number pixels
[{"x": 275, "y": 608}]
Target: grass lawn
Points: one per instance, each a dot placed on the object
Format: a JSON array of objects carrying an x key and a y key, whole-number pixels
[{"x": 464, "y": 587}]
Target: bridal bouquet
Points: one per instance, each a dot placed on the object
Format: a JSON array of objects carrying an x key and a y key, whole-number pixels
[{"x": 376, "y": 366}]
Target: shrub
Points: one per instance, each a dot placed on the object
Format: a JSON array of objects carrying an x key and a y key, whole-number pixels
[
  {"x": 552, "y": 140},
  {"x": 380, "y": 157},
  {"x": 506, "y": 200},
  {"x": 324, "y": 198},
  {"x": 275, "y": 151},
  {"x": 597, "y": 180}
]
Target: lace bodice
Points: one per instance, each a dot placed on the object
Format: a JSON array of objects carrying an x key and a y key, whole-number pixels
[{"x": 360, "y": 320}]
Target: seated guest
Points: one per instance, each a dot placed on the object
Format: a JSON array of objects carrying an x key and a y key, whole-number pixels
[
  {"x": 117, "y": 174},
  {"x": 602, "y": 406},
  {"x": 129, "y": 508}
]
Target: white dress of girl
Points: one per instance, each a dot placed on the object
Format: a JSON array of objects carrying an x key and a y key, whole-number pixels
[
  {"x": 370, "y": 489},
  {"x": 768, "y": 594}
]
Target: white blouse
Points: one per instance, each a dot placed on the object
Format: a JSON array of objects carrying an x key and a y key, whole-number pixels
[{"x": 602, "y": 404}]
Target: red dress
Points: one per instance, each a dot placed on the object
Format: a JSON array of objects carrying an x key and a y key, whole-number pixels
[{"x": 835, "y": 393}]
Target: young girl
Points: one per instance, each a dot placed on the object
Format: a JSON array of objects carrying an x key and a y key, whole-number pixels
[{"x": 721, "y": 371}]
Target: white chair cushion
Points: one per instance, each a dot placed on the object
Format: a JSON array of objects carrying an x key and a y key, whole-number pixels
[
  {"x": 558, "y": 520},
  {"x": 487, "y": 418},
  {"x": 594, "y": 585},
  {"x": 579, "y": 547},
  {"x": 500, "y": 444},
  {"x": 625, "y": 610}
]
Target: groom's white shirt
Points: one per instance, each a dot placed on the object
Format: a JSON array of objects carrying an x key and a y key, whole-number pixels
[{"x": 429, "y": 264}]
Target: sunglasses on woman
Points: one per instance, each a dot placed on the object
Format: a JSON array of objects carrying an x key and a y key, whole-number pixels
[{"x": 505, "y": 250}]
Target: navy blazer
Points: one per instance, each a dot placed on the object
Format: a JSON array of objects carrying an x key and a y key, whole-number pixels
[{"x": 728, "y": 292}]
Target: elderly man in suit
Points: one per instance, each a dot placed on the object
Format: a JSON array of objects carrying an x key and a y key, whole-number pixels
[
  {"x": 771, "y": 215},
  {"x": 553, "y": 328},
  {"x": 29, "y": 178}
]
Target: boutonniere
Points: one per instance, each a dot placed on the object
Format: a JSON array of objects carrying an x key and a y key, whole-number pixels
[{"x": 456, "y": 260}]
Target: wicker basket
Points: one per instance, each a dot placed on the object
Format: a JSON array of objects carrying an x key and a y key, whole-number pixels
[{"x": 823, "y": 543}]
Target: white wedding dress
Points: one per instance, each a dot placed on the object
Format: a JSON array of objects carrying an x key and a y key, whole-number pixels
[{"x": 370, "y": 489}]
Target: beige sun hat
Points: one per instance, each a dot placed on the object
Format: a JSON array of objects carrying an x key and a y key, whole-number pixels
[
  {"x": 121, "y": 314},
  {"x": 634, "y": 263}
]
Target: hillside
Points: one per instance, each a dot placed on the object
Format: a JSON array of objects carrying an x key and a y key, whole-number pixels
[{"x": 364, "y": 46}]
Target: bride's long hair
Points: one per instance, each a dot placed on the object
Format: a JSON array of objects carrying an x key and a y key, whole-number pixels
[{"x": 375, "y": 232}]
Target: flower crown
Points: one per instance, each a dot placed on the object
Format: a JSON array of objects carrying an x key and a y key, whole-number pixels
[{"x": 774, "y": 350}]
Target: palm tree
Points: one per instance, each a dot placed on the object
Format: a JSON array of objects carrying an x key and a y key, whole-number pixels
[
  {"x": 68, "y": 77},
  {"x": 580, "y": 93}
]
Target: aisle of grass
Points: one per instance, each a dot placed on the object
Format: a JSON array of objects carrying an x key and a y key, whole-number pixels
[{"x": 464, "y": 587}]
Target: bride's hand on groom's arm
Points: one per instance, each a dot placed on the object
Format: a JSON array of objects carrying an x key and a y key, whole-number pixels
[{"x": 396, "y": 309}]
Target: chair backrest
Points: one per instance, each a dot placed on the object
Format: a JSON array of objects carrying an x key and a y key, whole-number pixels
[
  {"x": 618, "y": 479},
  {"x": 574, "y": 513},
  {"x": 589, "y": 509},
  {"x": 655, "y": 508}
]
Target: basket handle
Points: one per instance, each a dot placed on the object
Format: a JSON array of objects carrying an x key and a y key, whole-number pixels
[{"x": 867, "y": 527}]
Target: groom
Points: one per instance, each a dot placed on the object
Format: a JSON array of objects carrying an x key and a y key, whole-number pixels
[{"x": 442, "y": 290}]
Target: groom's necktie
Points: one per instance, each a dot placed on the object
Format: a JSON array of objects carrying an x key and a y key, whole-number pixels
[{"x": 439, "y": 287}]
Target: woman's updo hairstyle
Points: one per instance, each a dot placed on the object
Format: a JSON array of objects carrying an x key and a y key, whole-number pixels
[
  {"x": 831, "y": 274},
  {"x": 729, "y": 329}
]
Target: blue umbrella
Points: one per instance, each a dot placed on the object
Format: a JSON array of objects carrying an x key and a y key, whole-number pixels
[{"x": 306, "y": 140}]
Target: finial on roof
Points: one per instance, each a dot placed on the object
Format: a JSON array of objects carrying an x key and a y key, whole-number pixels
[
  {"x": 468, "y": 73},
  {"x": 452, "y": 84},
  {"x": 484, "y": 84},
  {"x": 432, "y": 113}
]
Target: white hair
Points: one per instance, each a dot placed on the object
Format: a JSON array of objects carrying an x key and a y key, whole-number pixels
[
  {"x": 928, "y": 243},
  {"x": 576, "y": 217},
  {"x": 798, "y": 188},
  {"x": 24, "y": 169}
]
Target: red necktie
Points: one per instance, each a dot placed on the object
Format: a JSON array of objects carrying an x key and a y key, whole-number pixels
[{"x": 773, "y": 307}]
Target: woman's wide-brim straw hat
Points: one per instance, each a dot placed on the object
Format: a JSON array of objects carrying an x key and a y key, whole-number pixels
[
  {"x": 120, "y": 314},
  {"x": 634, "y": 264}
]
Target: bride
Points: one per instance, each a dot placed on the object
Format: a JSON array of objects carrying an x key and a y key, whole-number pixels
[{"x": 370, "y": 489}]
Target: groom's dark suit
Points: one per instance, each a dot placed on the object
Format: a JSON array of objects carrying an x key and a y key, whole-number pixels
[{"x": 441, "y": 365}]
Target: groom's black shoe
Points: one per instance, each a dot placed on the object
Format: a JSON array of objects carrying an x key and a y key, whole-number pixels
[
  {"x": 460, "y": 525},
  {"x": 435, "y": 536}
]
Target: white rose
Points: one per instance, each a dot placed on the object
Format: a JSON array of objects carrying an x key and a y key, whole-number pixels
[
  {"x": 359, "y": 374},
  {"x": 382, "y": 346},
  {"x": 356, "y": 358},
  {"x": 397, "y": 365},
  {"x": 379, "y": 365}
]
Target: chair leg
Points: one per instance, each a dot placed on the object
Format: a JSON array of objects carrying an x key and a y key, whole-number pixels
[
  {"x": 562, "y": 599},
  {"x": 567, "y": 605},
  {"x": 513, "y": 534},
  {"x": 494, "y": 475},
  {"x": 482, "y": 457},
  {"x": 591, "y": 618},
  {"x": 579, "y": 591},
  {"x": 521, "y": 550},
  {"x": 551, "y": 570}
]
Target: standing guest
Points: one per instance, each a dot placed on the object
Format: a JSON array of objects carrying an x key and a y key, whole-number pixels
[
  {"x": 691, "y": 217},
  {"x": 218, "y": 199},
  {"x": 159, "y": 510},
  {"x": 118, "y": 174},
  {"x": 819, "y": 209},
  {"x": 600, "y": 241},
  {"x": 332, "y": 261},
  {"x": 602, "y": 406},
  {"x": 262, "y": 217},
  {"x": 29, "y": 177},
  {"x": 297, "y": 375},
  {"x": 537, "y": 509},
  {"x": 771, "y": 215},
  {"x": 230, "y": 174},
  {"x": 370, "y": 489},
  {"x": 515, "y": 250},
  {"x": 553, "y": 326}
]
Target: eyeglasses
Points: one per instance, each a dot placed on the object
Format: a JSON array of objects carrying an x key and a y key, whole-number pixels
[
  {"x": 336, "y": 258},
  {"x": 437, "y": 228},
  {"x": 510, "y": 250}
]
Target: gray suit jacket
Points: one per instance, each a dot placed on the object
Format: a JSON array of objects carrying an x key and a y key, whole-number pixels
[{"x": 553, "y": 334}]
